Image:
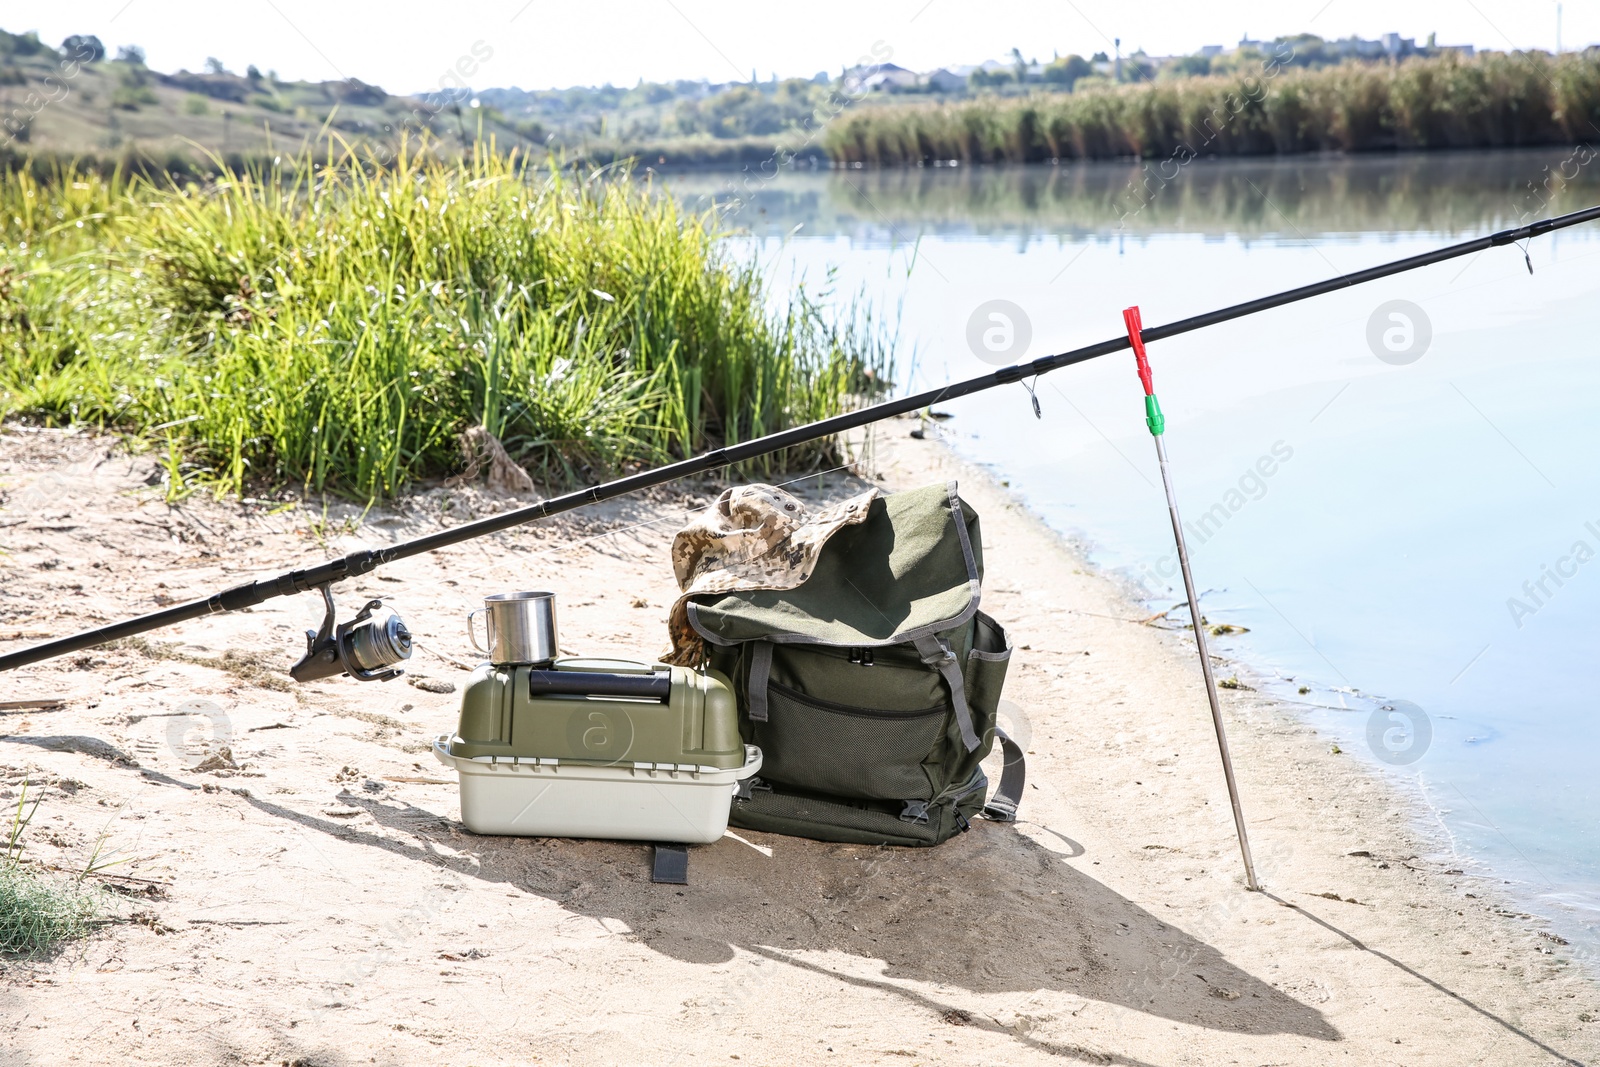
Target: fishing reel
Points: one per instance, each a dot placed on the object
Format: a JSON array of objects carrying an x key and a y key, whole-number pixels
[{"x": 365, "y": 648}]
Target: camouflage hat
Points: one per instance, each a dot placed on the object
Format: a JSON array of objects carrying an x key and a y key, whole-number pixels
[{"x": 753, "y": 537}]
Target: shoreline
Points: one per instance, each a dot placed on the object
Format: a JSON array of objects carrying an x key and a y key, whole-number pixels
[{"x": 320, "y": 900}]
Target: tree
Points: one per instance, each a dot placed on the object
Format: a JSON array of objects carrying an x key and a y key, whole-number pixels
[
  {"x": 253, "y": 72},
  {"x": 1189, "y": 67},
  {"x": 134, "y": 90},
  {"x": 132, "y": 54},
  {"x": 214, "y": 66},
  {"x": 1066, "y": 70},
  {"x": 86, "y": 48},
  {"x": 21, "y": 44},
  {"x": 1138, "y": 67}
]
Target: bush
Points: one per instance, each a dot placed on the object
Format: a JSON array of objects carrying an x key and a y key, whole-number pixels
[
  {"x": 133, "y": 88},
  {"x": 38, "y": 912},
  {"x": 132, "y": 97}
]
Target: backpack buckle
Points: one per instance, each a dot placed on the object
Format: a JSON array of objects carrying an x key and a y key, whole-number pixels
[
  {"x": 914, "y": 811},
  {"x": 746, "y": 788},
  {"x": 999, "y": 809}
]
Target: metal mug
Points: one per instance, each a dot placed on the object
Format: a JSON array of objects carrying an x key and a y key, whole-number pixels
[{"x": 520, "y": 628}]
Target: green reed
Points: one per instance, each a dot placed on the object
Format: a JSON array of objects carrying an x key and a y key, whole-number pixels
[{"x": 1489, "y": 101}]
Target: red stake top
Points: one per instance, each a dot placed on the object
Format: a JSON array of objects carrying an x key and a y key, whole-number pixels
[{"x": 1130, "y": 316}]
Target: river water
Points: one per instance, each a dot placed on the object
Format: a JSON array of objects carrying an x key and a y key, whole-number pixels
[{"x": 1400, "y": 515}]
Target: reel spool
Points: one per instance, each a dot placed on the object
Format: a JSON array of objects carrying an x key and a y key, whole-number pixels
[{"x": 365, "y": 648}]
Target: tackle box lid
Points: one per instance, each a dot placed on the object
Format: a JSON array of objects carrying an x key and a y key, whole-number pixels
[{"x": 600, "y": 665}]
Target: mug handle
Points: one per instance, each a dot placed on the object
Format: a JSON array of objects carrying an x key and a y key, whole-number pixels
[{"x": 472, "y": 635}]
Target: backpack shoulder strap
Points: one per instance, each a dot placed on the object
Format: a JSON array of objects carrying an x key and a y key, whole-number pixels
[
  {"x": 760, "y": 672},
  {"x": 1002, "y": 806}
]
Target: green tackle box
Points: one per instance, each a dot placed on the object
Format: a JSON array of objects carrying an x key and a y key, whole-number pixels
[
  {"x": 654, "y": 755},
  {"x": 697, "y": 724}
]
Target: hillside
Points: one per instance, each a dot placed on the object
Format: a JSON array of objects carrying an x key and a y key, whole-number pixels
[
  {"x": 1291, "y": 95},
  {"x": 75, "y": 101}
]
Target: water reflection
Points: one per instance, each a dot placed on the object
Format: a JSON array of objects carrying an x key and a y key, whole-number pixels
[{"x": 1443, "y": 192}]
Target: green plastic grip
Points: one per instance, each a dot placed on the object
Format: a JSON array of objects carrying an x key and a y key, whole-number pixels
[{"x": 1153, "y": 417}]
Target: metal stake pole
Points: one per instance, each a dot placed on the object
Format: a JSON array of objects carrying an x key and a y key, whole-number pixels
[
  {"x": 1157, "y": 424},
  {"x": 1205, "y": 667}
]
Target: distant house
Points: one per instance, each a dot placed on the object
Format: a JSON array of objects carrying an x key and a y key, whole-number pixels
[
  {"x": 1211, "y": 51},
  {"x": 886, "y": 77},
  {"x": 1396, "y": 46},
  {"x": 1355, "y": 46},
  {"x": 945, "y": 80},
  {"x": 1465, "y": 51},
  {"x": 890, "y": 78}
]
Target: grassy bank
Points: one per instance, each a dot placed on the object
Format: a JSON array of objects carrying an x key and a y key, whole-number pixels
[
  {"x": 338, "y": 328},
  {"x": 1490, "y": 101}
]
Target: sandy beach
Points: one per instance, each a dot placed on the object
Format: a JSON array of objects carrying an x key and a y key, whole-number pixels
[{"x": 310, "y": 897}]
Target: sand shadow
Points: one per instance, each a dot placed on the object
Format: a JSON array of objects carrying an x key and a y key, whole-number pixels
[
  {"x": 991, "y": 911},
  {"x": 95, "y": 748},
  {"x": 1355, "y": 942}
]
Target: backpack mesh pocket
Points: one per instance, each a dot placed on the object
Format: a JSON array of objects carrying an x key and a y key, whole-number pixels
[{"x": 846, "y": 751}]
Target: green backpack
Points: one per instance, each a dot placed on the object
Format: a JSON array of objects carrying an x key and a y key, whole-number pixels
[{"x": 872, "y": 688}]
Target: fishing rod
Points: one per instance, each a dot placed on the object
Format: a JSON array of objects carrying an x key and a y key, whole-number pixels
[{"x": 366, "y": 646}]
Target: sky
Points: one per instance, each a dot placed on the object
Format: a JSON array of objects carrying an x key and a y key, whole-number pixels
[{"x": 410, "y": 46}]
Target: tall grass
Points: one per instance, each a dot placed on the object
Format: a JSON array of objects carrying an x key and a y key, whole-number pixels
[
  {"x": 1492, "y": 100},
  {"x": 338, "y": 325}
]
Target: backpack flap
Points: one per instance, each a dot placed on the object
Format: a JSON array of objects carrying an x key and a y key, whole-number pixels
[{"x": 912, "y": 567}]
